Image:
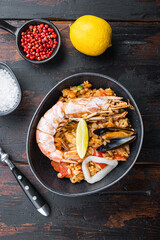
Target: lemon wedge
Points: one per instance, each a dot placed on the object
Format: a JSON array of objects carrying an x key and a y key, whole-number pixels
[{"x": 82, "y": 138}]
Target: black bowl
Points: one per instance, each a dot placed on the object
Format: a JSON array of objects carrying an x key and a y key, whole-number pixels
[
  {"x": 4, "y": 66},
  {"x": 25, "y": 26},
  {"x": 18, "y": 30},
  {"x": 41, "y": 165}
]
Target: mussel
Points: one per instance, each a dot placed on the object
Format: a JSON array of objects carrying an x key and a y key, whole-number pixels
[
  {"x": 106, "y": 131},
  {"x": 115, "y": 143},
  {"x": 117, "y": 137}
]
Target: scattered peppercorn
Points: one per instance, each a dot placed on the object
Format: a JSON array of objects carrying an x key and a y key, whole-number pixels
[{"x": 39, "y": 42}]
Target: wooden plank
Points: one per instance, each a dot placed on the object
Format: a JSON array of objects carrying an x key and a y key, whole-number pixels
[
  {"x": 128, "y": 210},
  {"x": 71, "y": 9},
  {"x": 133, "y": 61}
]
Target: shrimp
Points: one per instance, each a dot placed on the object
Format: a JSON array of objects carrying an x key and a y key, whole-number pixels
[
  {"x": 74, "y": 108},
  {"x": 46, "y": 130},
  {"x": 77, "y": 106}
]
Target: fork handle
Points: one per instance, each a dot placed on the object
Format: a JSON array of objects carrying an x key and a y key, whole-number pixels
[{"x": 31, "y": 192}]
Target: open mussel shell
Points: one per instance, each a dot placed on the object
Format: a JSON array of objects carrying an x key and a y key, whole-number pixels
[
  {"x": 102, "y": 131},
  {"x": 115, "y": 143}
]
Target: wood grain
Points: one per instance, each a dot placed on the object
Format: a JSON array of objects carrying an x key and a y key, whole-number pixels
[
  {"x": 132, "y": 60},
  {"x": 130, "y": 209},
  {"x": 126, "y": 210},
  {"x": 72, "y": 9}
]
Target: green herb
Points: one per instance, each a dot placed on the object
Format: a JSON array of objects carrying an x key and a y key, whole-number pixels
[
  {"x": 79, "y": 88},
  {"x": 121, "y": 110}
]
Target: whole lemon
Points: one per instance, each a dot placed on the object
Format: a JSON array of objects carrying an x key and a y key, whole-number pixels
[{"x": 91, "y": 35}]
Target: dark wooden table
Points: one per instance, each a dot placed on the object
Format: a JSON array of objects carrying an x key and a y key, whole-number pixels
[{"x": 130, "y": 209}]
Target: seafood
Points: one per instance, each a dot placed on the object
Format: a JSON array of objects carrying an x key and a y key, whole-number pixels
[
  {"x": 110, "y": 165},
  {"x": 115, "y": 143},
  {"x": 55, "y": 133},
  {"x": 49, "y": 123},
  {"x": 119, "y": 137},
  {"x": 110, "y": 132}
]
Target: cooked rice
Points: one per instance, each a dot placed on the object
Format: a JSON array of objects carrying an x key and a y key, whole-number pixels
[{"x": 65, "y": 137}]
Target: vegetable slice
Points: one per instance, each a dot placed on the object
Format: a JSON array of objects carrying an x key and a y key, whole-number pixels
[
  {"x": 79, "y": 88},
  {"x": 111, "y": 164},
  {"x": 119, "y": 157}
]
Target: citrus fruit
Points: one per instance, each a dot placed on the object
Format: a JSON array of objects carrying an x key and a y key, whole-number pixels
[
  {"x": 82, "y": 138},
  {"x": 91, "y": 35}
]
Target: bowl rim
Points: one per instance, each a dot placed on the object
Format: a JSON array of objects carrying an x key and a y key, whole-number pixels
[
  {"x": 5, "y": 113},
  {"x": 33, "y": 118}
]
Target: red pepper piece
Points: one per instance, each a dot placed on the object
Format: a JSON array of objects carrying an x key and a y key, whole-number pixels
[
  {"x": 97, "y": 153},
  {"x": 118, "y": 156},
  {"x": 63, "y": 170},
  {"x": 56, "y": 166},
  {"x": 102, "y": 165}
]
